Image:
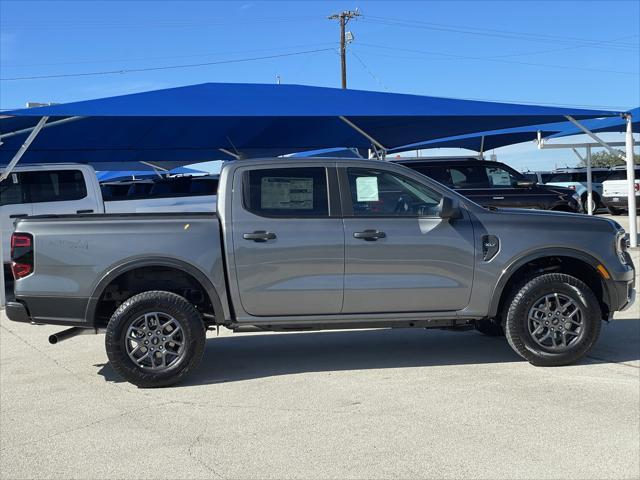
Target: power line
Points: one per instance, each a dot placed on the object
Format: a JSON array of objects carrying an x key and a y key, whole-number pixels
[
  {"x": 143, "y": 59},
  {"x": 166, "y": 67},
  {"x": 498, "y": 60},
  {"x": 179, "y": 23},
  {"x": 546, "y": 38},
  {"x": 364, "y": 65}
]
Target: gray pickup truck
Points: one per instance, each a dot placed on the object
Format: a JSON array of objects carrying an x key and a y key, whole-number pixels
[{"x": 314, "y": 244}]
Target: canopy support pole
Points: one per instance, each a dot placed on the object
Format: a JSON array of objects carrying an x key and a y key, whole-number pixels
[
  {"x": 482, "y": 148},
  {"x": 633, "y": 226},
  {"x": 604, "y": 144},
  {"x": 51, "y": 124},
  {"x": 374, "y": 142},
  {"x": 230, "y": 153},
  {"x": 16, "y": 158},
  {"x": 589, "y": 183}
]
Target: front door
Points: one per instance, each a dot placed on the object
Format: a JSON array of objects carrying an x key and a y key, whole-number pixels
[
  {"x": 399, "y": 255},
  {"x": 288, "y": 243}
]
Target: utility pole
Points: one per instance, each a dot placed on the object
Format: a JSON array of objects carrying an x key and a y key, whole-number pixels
[{"x": 343, "y": 18}]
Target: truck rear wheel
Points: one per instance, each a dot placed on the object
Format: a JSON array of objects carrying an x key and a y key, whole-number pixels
[
  {"x": 155, "y": 339},
  {"x": 554, "y": 319}
]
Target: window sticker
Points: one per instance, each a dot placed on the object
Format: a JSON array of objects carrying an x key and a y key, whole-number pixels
[
  {"x": 499, "y": 177},
  {"x": 367, "y": 189},
  {"x": 14, "y": 178},
  {"x": 286, "y": 193}
]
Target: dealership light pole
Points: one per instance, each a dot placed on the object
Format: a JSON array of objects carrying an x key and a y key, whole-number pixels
[{"x": 343, "y": 18}]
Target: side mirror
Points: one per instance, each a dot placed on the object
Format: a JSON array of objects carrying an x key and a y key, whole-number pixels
[
  {"x": 525, "y": 183},
  {"x": 448, "y": 208}
]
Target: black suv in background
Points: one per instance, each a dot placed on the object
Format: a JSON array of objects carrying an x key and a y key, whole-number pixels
[{"x": 494, "y": 184}]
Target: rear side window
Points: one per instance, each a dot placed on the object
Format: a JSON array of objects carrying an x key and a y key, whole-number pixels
[
  {"x": 286, "y": 192},
  {"x": 560, "y": 178},
  {"x": 54, "y": 185},
  {"x": 622, "y": 174},
  {"x": 12, "y": 191},
  {"x": 472, "y": 176}
]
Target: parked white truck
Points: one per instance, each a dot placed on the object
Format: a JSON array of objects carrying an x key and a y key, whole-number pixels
[
  {"x": 614, "y": 190},
  {"x": 71, "y": 188}
]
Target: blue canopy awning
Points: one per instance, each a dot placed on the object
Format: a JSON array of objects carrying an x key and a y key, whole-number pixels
[
  {"x": 193, "y": 123},
  {"x": 110, "y": 175},
  {"x": 603, "y": 125},
  {"x": 483, "y": 141}
]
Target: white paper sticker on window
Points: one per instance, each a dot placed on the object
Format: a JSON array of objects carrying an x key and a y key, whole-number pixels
[
  {"x": 367, "y": 189},
  {"x": 286, "y": 193}
]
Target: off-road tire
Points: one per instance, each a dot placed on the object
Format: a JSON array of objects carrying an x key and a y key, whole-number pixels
[
  {"x": 489, "y": 327},
  {"x": 516, "y": 324},
  {"x": 155, "y": 301}
]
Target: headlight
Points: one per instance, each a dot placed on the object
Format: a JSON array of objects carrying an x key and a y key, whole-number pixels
[{"x": 621, "y": 246}]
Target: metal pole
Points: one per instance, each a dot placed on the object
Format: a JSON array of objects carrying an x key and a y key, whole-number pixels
[
  {"x": 589, "y": 184},
  {"x": 613, "y": 151},
  {"x": 633, "y": 226},
  {"x": 16, "y": 158},
  {"x": 363, "y": 133},
  {"x": 50, "y": 124},
  {"x": 3, "y": 299}
]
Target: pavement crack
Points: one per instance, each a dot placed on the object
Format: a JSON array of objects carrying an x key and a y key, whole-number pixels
[{"x": 191, "y": 454}]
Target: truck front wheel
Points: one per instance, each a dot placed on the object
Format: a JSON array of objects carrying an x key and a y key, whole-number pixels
[
  {"x": 554, "y": 319},
  {"x": 155, "y": 339}
]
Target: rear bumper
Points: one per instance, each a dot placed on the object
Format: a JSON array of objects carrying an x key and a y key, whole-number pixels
[
  {"x": 621, "y": 202},
  {"x": 17, "y": 312},
  {"x": 48, "y": 310}
]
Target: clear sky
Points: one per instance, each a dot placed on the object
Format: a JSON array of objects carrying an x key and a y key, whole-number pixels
[{"x": 577, "y": 53}]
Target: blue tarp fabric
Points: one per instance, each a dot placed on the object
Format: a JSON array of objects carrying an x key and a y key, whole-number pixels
[
  {"x": 483, "y": 141},
  {"x": 190, "y": 124},
  {"x": 603, "y": 125}
]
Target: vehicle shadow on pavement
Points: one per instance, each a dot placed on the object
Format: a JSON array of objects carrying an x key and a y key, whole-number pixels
[{"x": 243, "y": 356}]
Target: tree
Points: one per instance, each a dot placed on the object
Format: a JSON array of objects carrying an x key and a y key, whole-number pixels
[{"x": 607, "y": 160}]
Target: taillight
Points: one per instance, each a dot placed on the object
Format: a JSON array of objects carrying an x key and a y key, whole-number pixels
[
  {"x": 21, "y": 255},
  {"x": 636, "y": 187},
  {"x": 572, "y": 187}
]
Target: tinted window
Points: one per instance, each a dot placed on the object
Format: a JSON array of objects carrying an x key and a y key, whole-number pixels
[
  {"x": 435, "y": 172},
  {"x": 580, "y": 177},
  {"x": 286, "y": 192},
  {"x": 11, "y": 190},
  {"x": 380, "y": 193},
  {"x": 622, "y": 174},
  {"x": 472, "y": 176},
  {"x": 560, "y": 177},
  {"x": 531, "y": 176},
  {"x": 600, "y": 177},
  {"x": 54, "y": 185},
  {"x": 501, "y": 177},
  {"x": 546, "y": 177}
]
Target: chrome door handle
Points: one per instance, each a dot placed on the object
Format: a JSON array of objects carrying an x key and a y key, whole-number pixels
[
  {"x": 259, "y": 236},
  {"x": 369, "y": 235},
  {"x": 498, "y": 198}
]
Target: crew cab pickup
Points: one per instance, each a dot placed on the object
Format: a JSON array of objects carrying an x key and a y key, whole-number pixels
[{"x": 311, "y": 244}]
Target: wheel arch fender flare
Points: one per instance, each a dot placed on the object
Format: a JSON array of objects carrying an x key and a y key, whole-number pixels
[
  {"x": 134, "y": 264},
  {"x": 514, "y": 266}
]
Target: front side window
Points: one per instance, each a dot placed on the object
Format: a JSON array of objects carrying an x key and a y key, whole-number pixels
[
  {"x": 380, "y": 193},
  {"x": 560, "y": 178},
  {"x": 55, "y": 185},
  {"x": 286, "y": 192},
  {"x": 469, "y": 176},
  {"x": 501, "y": 177}
]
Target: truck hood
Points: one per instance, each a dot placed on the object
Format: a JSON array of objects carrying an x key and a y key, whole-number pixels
[{"x": 557, "y": 218}]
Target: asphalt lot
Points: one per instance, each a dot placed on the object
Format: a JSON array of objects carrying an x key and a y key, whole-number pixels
[{"x": 369, "y": 404}]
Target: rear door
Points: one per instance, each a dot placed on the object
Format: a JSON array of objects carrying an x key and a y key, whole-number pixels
[
  {"x": 399, "y": 255},
  {"x": 288, "y": 240},
  {"x": 14, "y": 204},
  {"x": 59, "y": 192}
]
